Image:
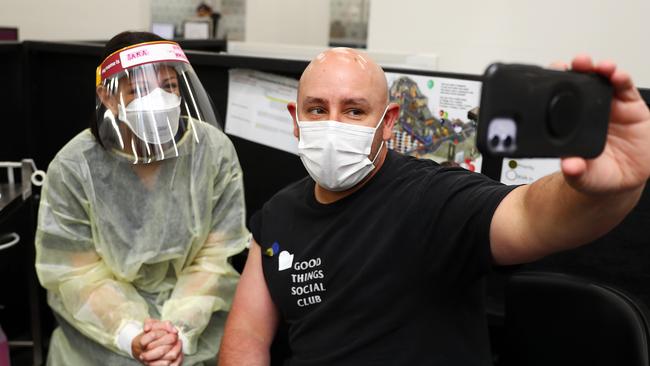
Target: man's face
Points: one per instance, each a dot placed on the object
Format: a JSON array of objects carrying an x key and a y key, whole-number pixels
[
  {"x": 345, "y": 86},
  {"x": 341, "y": 90}
]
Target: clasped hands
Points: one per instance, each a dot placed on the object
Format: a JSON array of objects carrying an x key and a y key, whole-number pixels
[{"x": 158, "y": 344}]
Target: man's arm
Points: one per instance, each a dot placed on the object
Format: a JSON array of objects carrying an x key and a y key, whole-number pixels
[
  {"x": 253, "y": 319},
  {"x": 550, "y": 216},
  {"x": 589, "y": 197}
]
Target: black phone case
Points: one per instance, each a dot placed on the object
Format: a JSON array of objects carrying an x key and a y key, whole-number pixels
[{"x": 557, "y": 113}]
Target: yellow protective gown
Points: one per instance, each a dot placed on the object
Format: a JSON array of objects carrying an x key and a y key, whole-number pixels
[{"x": 113, "y": 248}]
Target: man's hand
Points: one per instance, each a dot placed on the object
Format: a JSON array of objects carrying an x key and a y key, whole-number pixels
[
  {"x": 158, "y": 344},
  {"x": 625, "y": 162},
  {"x": 590, "y": 197}
]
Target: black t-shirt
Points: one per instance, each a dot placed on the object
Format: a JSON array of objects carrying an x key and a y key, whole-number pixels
[{"x": 390, "y": 275}]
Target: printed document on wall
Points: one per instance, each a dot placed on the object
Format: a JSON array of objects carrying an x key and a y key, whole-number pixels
[
  {"x": 526, "y": 171},
  {"x": 257, "y": 108},
  {"x": 437, "y": 120}
]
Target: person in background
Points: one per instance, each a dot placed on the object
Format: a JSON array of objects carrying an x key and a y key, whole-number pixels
[
  {"x": 378, "y": 258},
  {"x": 139, "y": 216},
  {"x": 204, "y": 10}
]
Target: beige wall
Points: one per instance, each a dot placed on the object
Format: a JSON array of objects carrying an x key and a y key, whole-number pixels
[
  {"x": 74, "y": 19},
  {"x": 465, "y": 34},
  {"x": 469, "y": 34},
  {"x": 299, "y": 22}
]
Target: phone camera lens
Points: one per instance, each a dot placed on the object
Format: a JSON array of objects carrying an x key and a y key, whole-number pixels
[
  {"x": 563, "y": 114},
  {"x": 494, "y": 142},
  {"x": 507, "y": 142}
]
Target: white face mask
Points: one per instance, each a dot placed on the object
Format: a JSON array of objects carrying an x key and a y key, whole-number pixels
[
  {"x": 336, "y": 154},
  {"x": 154, "y": 117}
]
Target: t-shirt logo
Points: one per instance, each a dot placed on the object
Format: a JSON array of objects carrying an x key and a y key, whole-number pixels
[{"x": 285, "y": 260}]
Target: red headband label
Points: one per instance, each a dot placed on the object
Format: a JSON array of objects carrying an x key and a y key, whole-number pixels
[{"x": 138, "y": 55}]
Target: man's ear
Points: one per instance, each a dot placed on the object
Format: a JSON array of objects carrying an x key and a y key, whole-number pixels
[
  {"x": 392, "y": 114},
  {"x": 291, "y": 106}
]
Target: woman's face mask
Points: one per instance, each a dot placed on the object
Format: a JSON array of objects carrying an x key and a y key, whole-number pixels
[
  {"x": 153, "y": 118},
  {"x": 335, "y": 153}
]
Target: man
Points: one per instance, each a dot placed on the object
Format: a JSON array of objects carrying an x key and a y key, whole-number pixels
[{"x": 378, "y": 260}]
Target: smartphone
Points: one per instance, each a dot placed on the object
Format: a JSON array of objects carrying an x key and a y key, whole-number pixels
[{"x": 529, "y": 111}]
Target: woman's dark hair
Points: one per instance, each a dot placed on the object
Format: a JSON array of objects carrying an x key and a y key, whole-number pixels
[
  {"x": 116, "y": 43},
  {"x": 126, "y": 39}
]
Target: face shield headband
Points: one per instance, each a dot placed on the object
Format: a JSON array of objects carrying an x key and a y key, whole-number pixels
[{"x": 139, "y": 54}]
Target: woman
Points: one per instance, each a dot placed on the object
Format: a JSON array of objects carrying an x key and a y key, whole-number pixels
[{"x": 139, "y": 216}]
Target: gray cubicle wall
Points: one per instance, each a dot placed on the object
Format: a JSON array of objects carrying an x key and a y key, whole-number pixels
[
  {"x": 11, "y": 114},
  {"x": 60, "y": 92},
  {"x": 60, "y": 100},
  {"x": 19, "y": 309},
  {"x": 51, "y": 98}
]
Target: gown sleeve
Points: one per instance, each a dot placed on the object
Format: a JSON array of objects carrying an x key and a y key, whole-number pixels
[
  {"x": 82, "y": 288},
  {"x": 207, "y": 284}
]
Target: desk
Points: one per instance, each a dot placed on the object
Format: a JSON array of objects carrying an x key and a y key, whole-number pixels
[{"x": 12, "y": 198}]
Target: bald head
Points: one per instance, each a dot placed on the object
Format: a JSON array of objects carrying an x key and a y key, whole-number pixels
[
  {"x": 344, "y": 73},
  {"x": 345, "y": 86},
  {"x": 341, "y": 63}
]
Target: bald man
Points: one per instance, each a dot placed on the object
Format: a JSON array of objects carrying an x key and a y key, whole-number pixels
[{"x": 378, "y": 258}]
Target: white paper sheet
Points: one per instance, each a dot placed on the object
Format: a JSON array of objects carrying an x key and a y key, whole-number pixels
[
  {"x": 526, "y": 171},
  {"x": 257, "y": 108}
]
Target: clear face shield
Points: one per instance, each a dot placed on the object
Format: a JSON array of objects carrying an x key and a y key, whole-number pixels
[{"x": 149, "y": 102}]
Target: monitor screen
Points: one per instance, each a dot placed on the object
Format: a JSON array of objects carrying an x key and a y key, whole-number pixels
[
  {"x": 8, "y": 34},
  {"x": 196, "y": 29},
  {"x": 165, "y": 30}
]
